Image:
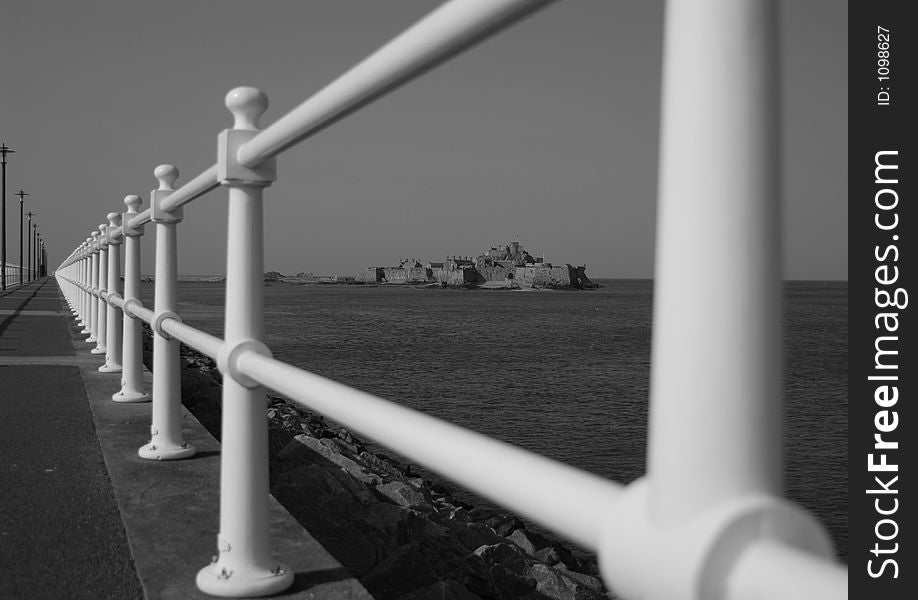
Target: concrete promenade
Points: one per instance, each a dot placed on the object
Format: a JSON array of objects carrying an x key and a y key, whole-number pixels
[{"x": 81, "y": 515}]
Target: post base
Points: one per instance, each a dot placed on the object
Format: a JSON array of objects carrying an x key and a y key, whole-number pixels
[
  {"x": 218, "y": 580},
  {"x": 97, "y": 350},
  {"x": 123, "y": 396},
  {"x": 153, "y": 451},
  {"x": 107, "y": 368}
]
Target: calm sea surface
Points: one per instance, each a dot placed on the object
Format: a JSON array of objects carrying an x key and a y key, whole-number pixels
[{"x": 561, "y": 373}]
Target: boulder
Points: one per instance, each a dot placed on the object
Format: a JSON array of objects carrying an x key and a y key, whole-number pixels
[
  {"x": 395, "y": 522},
  {"x": 482, "y": 513},
  {"x": 503, "y": 524},
  {"x": 552, "y": 552},
  {"x": 558, "y": 585},
  {"x": 429, "y": 512},
  {"x": 381, "y": 466},
  {"x": 460, "y": 514},
  {"x": 594, "y": 583},
  {"x": 278, "y": 439},
  {"x": 547, "y": 555},
  {"x": 522, "y": 540},
  {"x": 403, "y": 494},
  {"x": 413, "y": 566},
  {"x": 498, "y": 571},
  {"x": 472, "y": 535},
  {"x": 539, "y": 547},
  {"x": 307, "y": 448},
  {"x": 449, "y": 589}
]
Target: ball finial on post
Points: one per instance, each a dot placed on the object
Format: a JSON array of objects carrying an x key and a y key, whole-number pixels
[
  {"x": 166, "y": 175},
  {"x": 247, "y": 105},
  {"x": 133, "y": 202},
  {"x": 114, "y": 219}
]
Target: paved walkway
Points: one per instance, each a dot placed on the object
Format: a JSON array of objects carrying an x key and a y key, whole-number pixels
[
  {"x": 60, "y": 530},
  {"x": 81, "y": 515}
]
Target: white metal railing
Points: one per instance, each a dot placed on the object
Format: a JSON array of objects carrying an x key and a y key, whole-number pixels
[
  {"x": 17, "y": 276},
  {"x": 708, "y": 520},
  {"x": 11, "y": 272}
]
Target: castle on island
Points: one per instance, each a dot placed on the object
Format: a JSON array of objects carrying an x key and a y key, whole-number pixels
[{"x": 502, "y": 266}]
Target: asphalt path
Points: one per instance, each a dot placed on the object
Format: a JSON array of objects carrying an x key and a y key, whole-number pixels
[{"x": 61, "y": 532}]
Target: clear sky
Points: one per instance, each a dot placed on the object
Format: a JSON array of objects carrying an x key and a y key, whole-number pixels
[{"x": 548, "y": 131}]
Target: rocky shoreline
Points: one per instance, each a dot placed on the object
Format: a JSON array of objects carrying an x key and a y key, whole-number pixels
[{"x": 404, "y": 537}]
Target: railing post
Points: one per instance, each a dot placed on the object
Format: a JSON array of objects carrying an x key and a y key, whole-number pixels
[
  {"x": 715, "y": 408},
  {"x": 93, "y": 287},
  {"x": 166, "y": 442},
  {"x": 245, "y": 565},
  {"x": 714, "y": 465},
  {"x": 113, "y": 318},
  {"x": 102, "y": 285},
  {"x": 132, "y": 367}
]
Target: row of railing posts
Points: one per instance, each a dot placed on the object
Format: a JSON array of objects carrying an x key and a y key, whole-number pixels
[{"x": 244, "y": 563}]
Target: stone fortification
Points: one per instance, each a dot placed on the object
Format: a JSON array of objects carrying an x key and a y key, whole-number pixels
[{"x": 509, "y": 263}]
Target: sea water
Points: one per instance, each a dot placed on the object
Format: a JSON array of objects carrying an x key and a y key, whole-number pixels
[{"x": 562, "y": 373}]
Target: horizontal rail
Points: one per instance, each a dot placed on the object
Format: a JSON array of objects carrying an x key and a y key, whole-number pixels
[
  {"x": 192, "y": 189},
  {"x": 144, "y": 314},
  {"x": 142, "y": 218},
  {"x": 197, "y": 339},
  {"x": 445, "y": 32},
  {"x": 559, "y": 497}
]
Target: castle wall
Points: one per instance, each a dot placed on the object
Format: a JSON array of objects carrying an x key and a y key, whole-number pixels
[
  {"x": 494, "y": 272},
  {"x": 405, "y": 274},
  {"x": 370, "y": 275},
  {"x": 554, "y": 276},
  {"x": 457, "y": 277}
]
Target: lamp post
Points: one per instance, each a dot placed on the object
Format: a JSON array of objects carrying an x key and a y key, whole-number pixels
[
  {"x": 29, "y": 233},
  {"x": 35, "y": 249},
  {"x": 21, "y": 195},
  {"x": 4, "y": 150}
]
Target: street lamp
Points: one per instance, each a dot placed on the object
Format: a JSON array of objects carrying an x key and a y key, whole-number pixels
[
  {"x": 21, "y": 195},
  {"x": 4, "y": 150},
  {"x": 29, "y": 233},
  {"x": 35, "y": 248}
]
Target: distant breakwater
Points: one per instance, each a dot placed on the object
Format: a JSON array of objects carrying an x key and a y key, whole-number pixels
[{"x": 403, "y": 536}]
